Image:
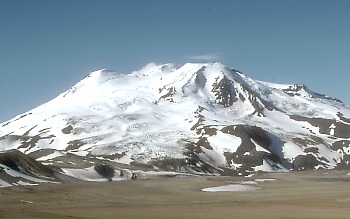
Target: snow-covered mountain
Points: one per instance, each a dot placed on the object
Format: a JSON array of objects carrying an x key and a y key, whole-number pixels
[{"x": 202, "y": 118}]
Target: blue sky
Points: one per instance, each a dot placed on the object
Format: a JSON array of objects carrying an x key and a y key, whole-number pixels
[{"x": 48, "y": 46}]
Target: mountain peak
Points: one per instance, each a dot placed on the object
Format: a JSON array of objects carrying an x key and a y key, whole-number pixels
[{"x": 198, "y": 117}]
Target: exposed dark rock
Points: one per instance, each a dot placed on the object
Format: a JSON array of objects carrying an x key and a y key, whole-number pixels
[
  {"x": 224, "y": 91},
  {"x": 67, "y": 129},
  {"x": 20, "y": 162},
  {"x": 293, "y": 90},
  {"x": 339, "y": 145},
  {"x": 305, "y": 162},
  {"x": 22, "y": 116},
  {"x": 133, "y": 176},
  {"x": 28, "y": 142},
  {"x": 113, "y": 156},
  {"x": 341, "y": 129},
  {"x": 344, "y": 119},
  {"x": 303, "y": 141},
  {"x": 41, "y": 153},
  {"x": 257, "y": 101},
  {"x": 75, "y": 144},
  {"x": 105, "y": 170},
  {"x": 169, "y": 164},
  {"x": 5, "y": 124},
  {"x": 228, "y": 172},
  {"x": 168, "y": 96},
  {"x": 230, "y": 129},
  {"x": 260, "y": 136},
  {"x": 203, "y": 142},
  {"x": 246, "y": 162},
  {"x": 241, "y": 97},
  {"x": 311, "y": 150},
  {"x": 139, "y": 165},
  {"x": 207, "y": 130},
  {"x": 246, "y": 154},
  {"x": 200, "y": 80},
  {"x": 345, "y": 162},
  {"x": 199, "y": 116},
  {"x": 193, "y": 161}
]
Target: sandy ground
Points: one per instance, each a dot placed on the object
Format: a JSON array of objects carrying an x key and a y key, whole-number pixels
[{"x": 322, "y": 194}]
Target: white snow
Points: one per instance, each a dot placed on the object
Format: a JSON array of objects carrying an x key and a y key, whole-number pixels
[
  {"x": 9, "y": 142},
  {"x": 291, "y": 150},
  {"x": 225, "y": 142},
  {"x": 22, "y": 183},
  {"x": 15, "y": 173},
  {"x": 25, "y": 201},
  {"x": 332, "y": 127},
  {"x": 231, "y": 188},
  {"x": 331, "y": 156},
  {"x": 88, "y": 174},
  {"x": 126, "y": 159},
  {"x": 4, "y": 184},
  {"x": 247, "y": 182},
  {"x": 264, "y": 180},
  {"x": 51, "y": 156},
  {"x": 110, "y": 112},
  {"x": 266, "y": 167}
]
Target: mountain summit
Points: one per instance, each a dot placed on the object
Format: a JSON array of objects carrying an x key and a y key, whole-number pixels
[{"x": 197, "y": 118}]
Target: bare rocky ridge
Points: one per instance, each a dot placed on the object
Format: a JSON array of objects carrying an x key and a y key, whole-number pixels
[{"x": 20, "y": 162}]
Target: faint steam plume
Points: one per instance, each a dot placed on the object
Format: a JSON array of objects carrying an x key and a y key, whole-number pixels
[{"x": 207, "y": 57}]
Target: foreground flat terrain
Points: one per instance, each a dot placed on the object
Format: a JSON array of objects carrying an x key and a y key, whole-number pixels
[{"x": 321, "y": 194}]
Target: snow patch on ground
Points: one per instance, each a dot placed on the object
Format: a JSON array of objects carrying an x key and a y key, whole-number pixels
[
  {"x": 266, "y": 167},
  {"x": 4, "y": 184},
  {"x": 51, "y": 156},
  {"x": 88, "y": 174},
  {"x": 22, "y": 183},
  {"x": 264, "y": 180},
  {"x": 25, "y": 201},
  {"x": 15, "y": 173},
  {"x": 231, "y": 188}
]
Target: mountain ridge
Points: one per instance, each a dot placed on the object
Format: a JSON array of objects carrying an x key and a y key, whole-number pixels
[{"x": 197, "y": 118}]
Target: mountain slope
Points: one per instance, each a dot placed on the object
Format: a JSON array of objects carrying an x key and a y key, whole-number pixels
[{"x": 194, "y": 118}]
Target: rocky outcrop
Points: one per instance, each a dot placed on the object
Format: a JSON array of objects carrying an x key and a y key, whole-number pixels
[
  {"x": 22, "y": 163},
  {"x": 105, "y": 170}
]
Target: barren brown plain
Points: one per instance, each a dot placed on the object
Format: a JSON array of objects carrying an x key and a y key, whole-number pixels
[{"x": 314, "y": 194}]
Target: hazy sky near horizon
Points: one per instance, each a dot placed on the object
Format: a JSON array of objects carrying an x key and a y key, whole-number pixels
[{"x": 48, "y": 46}]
